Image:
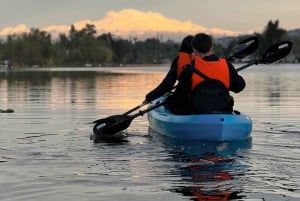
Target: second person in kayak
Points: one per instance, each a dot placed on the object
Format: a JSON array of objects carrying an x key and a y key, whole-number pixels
[{"x": 183, "y": 58}]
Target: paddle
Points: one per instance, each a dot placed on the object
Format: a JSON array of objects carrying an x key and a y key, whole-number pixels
[
  {"x": 272, "y": 54},
  {"x": 111, "y": 125},
  {"x": 241, "y": 50},
  {"x": 119, "y": 123}
]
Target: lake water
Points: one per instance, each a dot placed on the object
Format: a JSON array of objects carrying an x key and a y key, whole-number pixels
[{"x": 46, "y": 153}]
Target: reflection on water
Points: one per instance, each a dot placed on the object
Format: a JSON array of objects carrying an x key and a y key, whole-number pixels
[
  {"x": 208, "y": 169},
  {"x": 46, "y": 153}
]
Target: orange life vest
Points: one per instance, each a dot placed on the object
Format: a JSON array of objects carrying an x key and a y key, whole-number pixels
[
  {"x": 183, "y": 59},
  {"x": 213, "y": 69}
]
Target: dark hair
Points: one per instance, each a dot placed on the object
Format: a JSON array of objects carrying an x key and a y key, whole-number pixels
[{"x": 202, "y": 42}]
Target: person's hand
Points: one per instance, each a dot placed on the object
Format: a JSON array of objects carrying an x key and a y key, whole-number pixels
[
  {"x": 145, "y": 102},
  {"x": 186, "y": 45}
]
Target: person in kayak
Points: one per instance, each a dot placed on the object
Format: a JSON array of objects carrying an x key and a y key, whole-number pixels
[
  {"x": 183, "y": 58},
  {"x": 204, "y": 85}
]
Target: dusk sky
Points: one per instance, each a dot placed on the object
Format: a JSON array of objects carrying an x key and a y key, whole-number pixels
[{"x": 233, "y": 15}]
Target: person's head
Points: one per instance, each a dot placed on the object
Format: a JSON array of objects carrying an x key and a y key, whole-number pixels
[
  {"x": 202, "y": 43},
  {"x": 188, "y": 40},
  {"x": 186, "y": 44}
]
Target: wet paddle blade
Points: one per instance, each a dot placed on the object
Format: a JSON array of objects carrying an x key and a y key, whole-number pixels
[
  {"x": 245, "y": 47},
  {"x": 111, "y": 126},
  {"x": 277, "y": 52}
]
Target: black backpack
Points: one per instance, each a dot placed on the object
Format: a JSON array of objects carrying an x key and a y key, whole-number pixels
[{"x": 211, "y": 96}]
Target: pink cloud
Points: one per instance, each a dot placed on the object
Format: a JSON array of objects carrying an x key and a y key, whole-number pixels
[
  {"x": 14, "y": 30},
  {"x": 129, "y": 22}
]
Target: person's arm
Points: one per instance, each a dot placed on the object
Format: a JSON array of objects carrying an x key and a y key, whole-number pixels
[
  {"x": 237, "y": 82},
  {"x": 166, "y": 85}
]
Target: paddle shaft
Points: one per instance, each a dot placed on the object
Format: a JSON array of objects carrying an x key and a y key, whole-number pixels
[
  {"x": 242, "y": 49},
  {"x": 254, "y": 62},
  {"x": 271, "y": 55},
  {"x": 135, "y": 108},
  {"x": 124, "y": 114},
  {"x": 142, "y": 112}
]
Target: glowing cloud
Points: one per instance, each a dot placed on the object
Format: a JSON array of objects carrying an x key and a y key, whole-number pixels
[
  {"x": 14, "y": 30},
  {"x": 129, "y": 22}
]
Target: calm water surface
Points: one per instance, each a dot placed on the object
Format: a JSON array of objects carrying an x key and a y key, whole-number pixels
[{"x": 46, "y": 153}]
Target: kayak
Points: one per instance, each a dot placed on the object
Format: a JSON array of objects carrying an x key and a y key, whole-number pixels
[{"x": 211, "y": 127}]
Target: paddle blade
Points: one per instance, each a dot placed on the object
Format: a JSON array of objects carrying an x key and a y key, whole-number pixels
[
  {"x": 111, "y": 126},
  {"x": 245, "y": 47},
  {"x": 276, "y": 52}
]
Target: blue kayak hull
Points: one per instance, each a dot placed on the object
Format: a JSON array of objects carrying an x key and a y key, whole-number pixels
[{"x": 212, "y": 127}]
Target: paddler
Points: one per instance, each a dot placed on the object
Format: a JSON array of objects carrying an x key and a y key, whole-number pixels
[{"x": 204, "y": 84}]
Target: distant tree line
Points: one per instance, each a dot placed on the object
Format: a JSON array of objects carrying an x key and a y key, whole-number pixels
[{"x": 85, "y": 48}]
